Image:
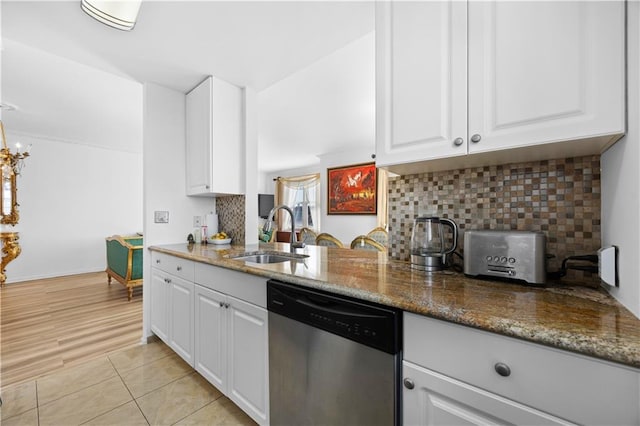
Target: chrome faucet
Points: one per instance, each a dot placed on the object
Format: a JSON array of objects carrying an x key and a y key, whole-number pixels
[{"x": 292, "y": 241}]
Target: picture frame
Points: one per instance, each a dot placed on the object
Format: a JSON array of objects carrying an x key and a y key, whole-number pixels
[{"x": 352, "y": 190}]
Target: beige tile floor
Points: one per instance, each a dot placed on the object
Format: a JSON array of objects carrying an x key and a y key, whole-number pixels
[{"x": 143, "y": 385}]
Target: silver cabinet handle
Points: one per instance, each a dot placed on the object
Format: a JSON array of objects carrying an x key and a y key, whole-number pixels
[
  {"x": 179, "y": 268},
  {"x": 458, "y": 141},
  {"x": 502, "y": 369},
  {"x": 226, "y": 305},
  {"x": 157, "y": 260},
  {"x": 222, "y": 304},
  {"x": 476, "y": 138},
  {"x": 408, "y": 383}
]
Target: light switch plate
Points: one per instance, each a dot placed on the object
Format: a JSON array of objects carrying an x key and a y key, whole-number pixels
[
  {"x": 161, "y": 217},
  {"x": 197, "y": 221}
]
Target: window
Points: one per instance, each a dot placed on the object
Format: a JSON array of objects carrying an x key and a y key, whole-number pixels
[{"x": 302, "y": 195}]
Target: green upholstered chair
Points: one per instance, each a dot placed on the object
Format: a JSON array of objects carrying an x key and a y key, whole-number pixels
[{"x": 124, "y": 261}]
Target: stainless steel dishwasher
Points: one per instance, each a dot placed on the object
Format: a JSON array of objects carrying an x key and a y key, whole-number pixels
[{"x": 333, "y": 360}]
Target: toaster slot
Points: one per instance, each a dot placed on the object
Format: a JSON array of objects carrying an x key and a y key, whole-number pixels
[{"x": 506, "y": 270}]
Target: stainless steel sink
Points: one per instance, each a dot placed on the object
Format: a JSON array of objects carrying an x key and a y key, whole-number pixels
[{"x": 268, "y": 257}]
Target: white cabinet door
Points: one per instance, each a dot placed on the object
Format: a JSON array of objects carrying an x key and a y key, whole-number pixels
[
  {"x": 430, "y": 398},
  {"x": 214, "y": 142},
  {"x": 159, "y": 296},
  {"x": 211, "y": 336},
  {"x": 544, "y": 72},
  {"x": 421, "y": 80},
  {"x": 503, "y": 81},
  {"x": 181, "y": 317},
  {"x": 199, "y": 122},
  {"x": 248, "y": 359}
]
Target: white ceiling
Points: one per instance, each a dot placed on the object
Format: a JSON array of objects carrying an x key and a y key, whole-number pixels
[{"x": 176, "y": 44}]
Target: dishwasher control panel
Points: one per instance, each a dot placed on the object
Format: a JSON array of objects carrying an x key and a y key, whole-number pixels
[{"x": 370, "y": 324}]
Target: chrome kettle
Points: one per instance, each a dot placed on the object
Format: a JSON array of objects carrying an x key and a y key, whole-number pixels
[{"x": 428, "y": 250}]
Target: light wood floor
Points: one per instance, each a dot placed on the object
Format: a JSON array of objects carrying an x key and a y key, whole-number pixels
[{"x": 49, "y": 324}]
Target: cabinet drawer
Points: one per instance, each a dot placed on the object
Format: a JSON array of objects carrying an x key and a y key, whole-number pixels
[
  {"x": 247, "y": 287},
  {"x": 173, "y": 265},
  {"x": 574, "y": 387},
  {"x": 435, "y": 399}
]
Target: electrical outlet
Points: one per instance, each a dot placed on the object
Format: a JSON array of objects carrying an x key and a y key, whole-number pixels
[
  {"x": 197, "y": 221},
  {"x": 608, "y": 265}
]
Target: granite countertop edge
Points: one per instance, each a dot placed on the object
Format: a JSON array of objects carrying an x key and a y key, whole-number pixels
[{"x": 608, "y": 349}]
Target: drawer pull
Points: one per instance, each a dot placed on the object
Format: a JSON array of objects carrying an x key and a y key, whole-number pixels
[
  {"x": 502, "y": 369},
  {"x": 157, "y": 260},
  {"x": 179, "y": 268},
  {"x": 408, "y": 383}
]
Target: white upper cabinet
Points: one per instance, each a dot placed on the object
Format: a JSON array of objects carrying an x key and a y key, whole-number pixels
[
  {"x": 421, "y": 80},
  {"x": 215, "y": 165},
  {"x": 503, "y": 81},
  {"x": 544, "y": 72}
]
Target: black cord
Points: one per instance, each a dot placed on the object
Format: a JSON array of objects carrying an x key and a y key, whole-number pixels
[
  {"x": 455, "y": 266},
  {"x": 593, "y": 258}
]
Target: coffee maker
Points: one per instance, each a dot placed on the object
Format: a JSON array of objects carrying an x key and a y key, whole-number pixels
[{"x": 428, "y": 247}]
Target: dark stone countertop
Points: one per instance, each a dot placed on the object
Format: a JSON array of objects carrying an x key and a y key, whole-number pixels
[{"x": 575, "y": 318}]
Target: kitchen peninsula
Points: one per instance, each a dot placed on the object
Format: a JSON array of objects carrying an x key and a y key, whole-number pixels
[
  {"x": 573, "y": 318},
  {"x": 564, "y": 344}
]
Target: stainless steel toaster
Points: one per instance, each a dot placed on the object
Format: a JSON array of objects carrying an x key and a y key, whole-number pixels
[{"x": 515, "y": 255}]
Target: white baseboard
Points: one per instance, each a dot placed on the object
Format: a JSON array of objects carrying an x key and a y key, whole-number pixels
[{"x": 15, "y": 280}]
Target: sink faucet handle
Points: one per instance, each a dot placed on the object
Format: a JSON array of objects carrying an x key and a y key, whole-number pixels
[{"x": 297, "y": 244}]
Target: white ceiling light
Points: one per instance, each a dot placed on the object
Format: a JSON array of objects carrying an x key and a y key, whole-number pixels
[{"x": 117, "y": 14}]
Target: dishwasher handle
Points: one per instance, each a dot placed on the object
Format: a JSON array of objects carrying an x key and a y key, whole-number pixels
[{"x": 336, "y": 309}]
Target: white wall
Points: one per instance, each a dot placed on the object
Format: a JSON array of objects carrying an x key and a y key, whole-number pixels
[
  {"x": 164, "y": 177},
  {"x": 83, "y": 180},
  {"x": 71, "y": 197},
  {"x": 343, "y": 227},
  {"x": 326, "y": 107},
  {"x": 621, "y": 181}
]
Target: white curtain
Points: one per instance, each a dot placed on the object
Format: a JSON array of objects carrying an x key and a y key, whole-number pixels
[{"x": 303, "y": 193}]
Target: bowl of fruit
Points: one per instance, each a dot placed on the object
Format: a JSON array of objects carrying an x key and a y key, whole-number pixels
[{"x": 220, "y": 238}]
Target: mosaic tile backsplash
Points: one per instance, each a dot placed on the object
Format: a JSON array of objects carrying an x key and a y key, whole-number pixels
[
  {"x": 230, "y": 210},
  {"x": 559, "y": 197}
]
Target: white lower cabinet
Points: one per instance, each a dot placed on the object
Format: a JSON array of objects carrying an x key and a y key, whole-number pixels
[
  {"x": 433, "y": 399},
  {"x": 211, "y": 331},
  {"x": 454, "y": 374},
  {"x": 159, "y": 313},
  {"x": 231, "y": 349},
  {"x": 181, "y": 318},
  {"x": 172, "y": 312},
  {"x": 248, "y": 367}
]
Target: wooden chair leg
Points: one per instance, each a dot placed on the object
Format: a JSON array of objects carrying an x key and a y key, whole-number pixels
[
  {"x": 130, "y": 292},
  {"x": 109, "y": 279}
]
